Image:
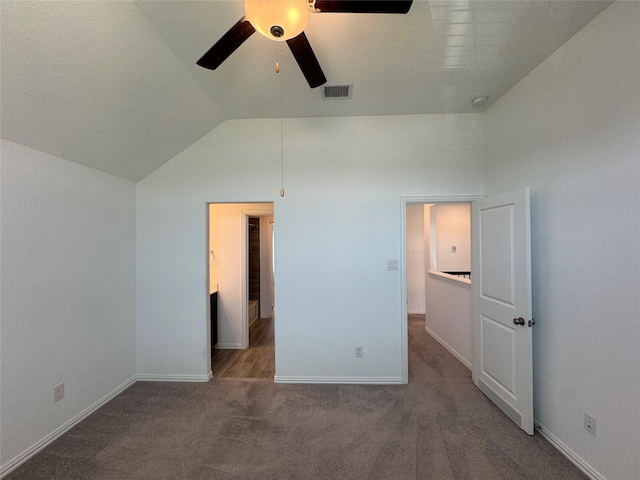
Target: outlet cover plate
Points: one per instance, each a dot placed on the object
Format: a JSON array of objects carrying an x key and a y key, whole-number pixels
[
  {"x": 58, "y": 392},
  {"x": 590, "y": 424}
]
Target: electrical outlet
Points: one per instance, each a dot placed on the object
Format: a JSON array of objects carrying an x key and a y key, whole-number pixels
[
  {"x": 590, "y": 424},
  {"x": 358, "y": 351},
  {"x": 58, "y": 392}
]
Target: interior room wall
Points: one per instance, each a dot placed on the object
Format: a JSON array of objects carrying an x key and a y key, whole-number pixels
[
  {"x": 448, "y": 306},
  {"x": 570, "y": 131},
  {"x": 451, "y": 226},
  {"x": 227, "y": 222},
  {"x": 415, "y": 259},
  {"x": 68, "y": 294},
  {"x": 337, "y": 225}
]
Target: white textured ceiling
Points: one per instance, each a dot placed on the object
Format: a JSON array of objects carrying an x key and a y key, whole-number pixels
[{"x": 114, "y": 85}]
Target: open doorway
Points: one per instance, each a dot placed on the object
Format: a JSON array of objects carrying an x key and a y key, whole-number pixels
[
  {"x": 437, "y": 283},
  {"x": 499, "y": 354},
  {"x": 241, "y": 286}
]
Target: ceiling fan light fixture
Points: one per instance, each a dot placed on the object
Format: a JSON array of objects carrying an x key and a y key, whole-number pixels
[
  {"x": 277, "y": 19},
  {"x": 286, "y": 20}
]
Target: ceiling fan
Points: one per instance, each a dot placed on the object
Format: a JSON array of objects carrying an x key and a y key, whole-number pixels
[{"x": 285, "y": 20}]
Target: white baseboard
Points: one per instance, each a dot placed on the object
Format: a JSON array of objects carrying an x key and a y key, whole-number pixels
[
  {"x": 227, "y": 346},
  {"x": 174, "y": 378},
  {"x": 572, "y": 456},
  {"x": 340, "y": 380},
  {"x": 450, "y": 348},
  {"x": 35, "y": 448},
  {"x": 14, "y": 463}
]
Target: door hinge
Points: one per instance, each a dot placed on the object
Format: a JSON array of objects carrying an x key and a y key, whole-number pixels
[{"x": 531, "y": 323}]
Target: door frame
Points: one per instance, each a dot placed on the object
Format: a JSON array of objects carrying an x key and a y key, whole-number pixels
[
  {"x": 404, "y": 327},
  {"x": 246, "y": 214},
  {"x": 266, "y": 264}
]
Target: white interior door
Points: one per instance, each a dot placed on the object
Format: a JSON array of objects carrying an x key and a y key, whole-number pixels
[{"x": 501, "y": 287}]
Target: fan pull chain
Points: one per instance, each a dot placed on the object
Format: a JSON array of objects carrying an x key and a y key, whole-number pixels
[{"x": 281, "y": 134}]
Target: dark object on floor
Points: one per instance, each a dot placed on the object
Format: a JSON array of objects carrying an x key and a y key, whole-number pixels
[{"x": 214, "y": 318}]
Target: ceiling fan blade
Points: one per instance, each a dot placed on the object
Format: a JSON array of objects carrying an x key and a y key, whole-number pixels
[
  {"x": 363, "y": 6},
  {"x": 307, "y": 60},
  {"x": 228, "y": 44}
]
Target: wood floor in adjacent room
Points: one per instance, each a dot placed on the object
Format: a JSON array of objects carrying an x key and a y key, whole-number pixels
[{"x": 257, "y": 361}]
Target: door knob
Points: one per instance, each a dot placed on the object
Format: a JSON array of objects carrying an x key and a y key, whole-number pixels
[{"x": 518, "y": 321}]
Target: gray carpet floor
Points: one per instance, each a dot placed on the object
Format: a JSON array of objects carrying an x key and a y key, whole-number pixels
[{"x": 439, "y": 426}]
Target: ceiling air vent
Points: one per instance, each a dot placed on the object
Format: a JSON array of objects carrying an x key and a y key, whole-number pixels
[{"x": 337, "y": 91}]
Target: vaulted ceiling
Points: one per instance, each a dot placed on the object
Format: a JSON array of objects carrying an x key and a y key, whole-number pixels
[{"x": 114, "y": 85}]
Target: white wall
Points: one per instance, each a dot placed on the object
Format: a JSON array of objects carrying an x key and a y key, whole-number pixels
[
  {"x": 338, "y": 224},
  {"x": 571, "y": 131},
  {"x": 227, "y": 222},
  {"x": 448, "y": 307},
  {"x": 451, "y": 226},
  {"x": 68, "y": 292},
  {"x": 415, "y": 259}
]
